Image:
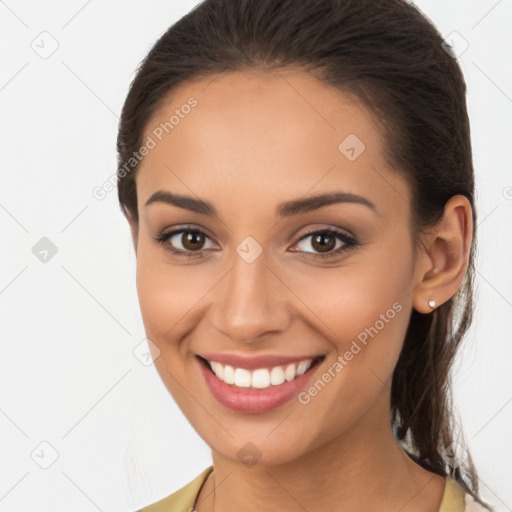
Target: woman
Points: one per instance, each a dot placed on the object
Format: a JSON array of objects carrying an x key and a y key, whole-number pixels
[{"x": 298, "y": 180}]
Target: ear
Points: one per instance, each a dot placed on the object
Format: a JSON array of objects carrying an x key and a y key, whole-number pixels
[
  {"x": 134, "y": 227},
  {"x": 444, "y": 264}
]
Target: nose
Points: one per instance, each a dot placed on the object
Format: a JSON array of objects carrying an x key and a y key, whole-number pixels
[{"x": 251, "y": 302}]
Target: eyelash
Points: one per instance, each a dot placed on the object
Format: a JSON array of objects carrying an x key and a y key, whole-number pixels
[{"x": 349, "y": 242}]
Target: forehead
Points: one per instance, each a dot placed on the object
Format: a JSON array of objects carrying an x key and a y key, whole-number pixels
[{"x": 267, "y": 134}]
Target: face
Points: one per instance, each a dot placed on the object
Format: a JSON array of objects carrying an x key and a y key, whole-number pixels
[{"x": 254, "y": 274}]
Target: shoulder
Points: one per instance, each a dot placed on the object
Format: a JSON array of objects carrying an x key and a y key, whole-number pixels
[
  {"x": 183, "y": 499},
  {"x": 456, "y": 500}
]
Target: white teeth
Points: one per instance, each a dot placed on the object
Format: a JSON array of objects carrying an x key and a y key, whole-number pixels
[
  {"x": 218, "y": 369},
  {"x": 290, "y": 372},
  {"x": 261, "y": 378},
  {"x": 242, "y": 378},
  {"x": 229, "y": 375},
  {"x": 303, "y": 366},
  {"x": 276, "y": 376}
]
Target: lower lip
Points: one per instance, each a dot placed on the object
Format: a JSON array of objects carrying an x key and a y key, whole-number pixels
[{"x": 254, "y": 400}]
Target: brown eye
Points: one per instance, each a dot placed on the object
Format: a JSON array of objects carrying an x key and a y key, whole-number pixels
[
  {"x": 193, "y": 240},
  {"x": 323, "y": 242},
  {"x": 185, "y": 242}
]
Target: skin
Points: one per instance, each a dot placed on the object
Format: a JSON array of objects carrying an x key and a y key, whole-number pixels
[{"x": 254, "y": 141}]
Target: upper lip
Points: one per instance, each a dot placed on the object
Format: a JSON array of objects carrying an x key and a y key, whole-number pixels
[{"x": 255, "y": 362}]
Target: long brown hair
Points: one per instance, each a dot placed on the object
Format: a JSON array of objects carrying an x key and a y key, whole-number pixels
[{"x": 392, "y": 58}]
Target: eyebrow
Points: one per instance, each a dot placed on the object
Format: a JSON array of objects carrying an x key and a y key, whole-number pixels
[{"x": 286, "y": 209}]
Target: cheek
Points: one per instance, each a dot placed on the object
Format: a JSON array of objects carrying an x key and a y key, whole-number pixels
[
  {"x": 347, "y": 300},
  {"x": 157, "y": 297},
  {"x": 362, "y": 309},
  {"x": 164, "y": 296},
  {"x": 365, "y": 323},
  {"x": 366, "y": 328},
  {"x": 167, "y": 298},
  {"x": 171, "y": 296}
]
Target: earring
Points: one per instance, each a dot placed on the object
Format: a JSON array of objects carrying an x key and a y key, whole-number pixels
[{"x": 432, "y": 303}]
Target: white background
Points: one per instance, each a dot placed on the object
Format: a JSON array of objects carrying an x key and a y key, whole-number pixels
[{"x": 68, "y": 373}]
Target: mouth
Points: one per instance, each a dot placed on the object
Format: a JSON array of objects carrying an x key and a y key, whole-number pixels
[
  {"x": 260, "y": 378},
  {"x": 259, "y": 389}
]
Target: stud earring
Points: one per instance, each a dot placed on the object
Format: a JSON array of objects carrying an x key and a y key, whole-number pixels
[{"x": 432, "y": 303}]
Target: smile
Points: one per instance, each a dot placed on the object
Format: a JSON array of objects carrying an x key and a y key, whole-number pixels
[
  {"x": 260, "y": 378},
  {"x": 265, "y": 385}
]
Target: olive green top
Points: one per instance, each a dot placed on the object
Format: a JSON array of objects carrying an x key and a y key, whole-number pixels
[{"x": 183, "y": 500}]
